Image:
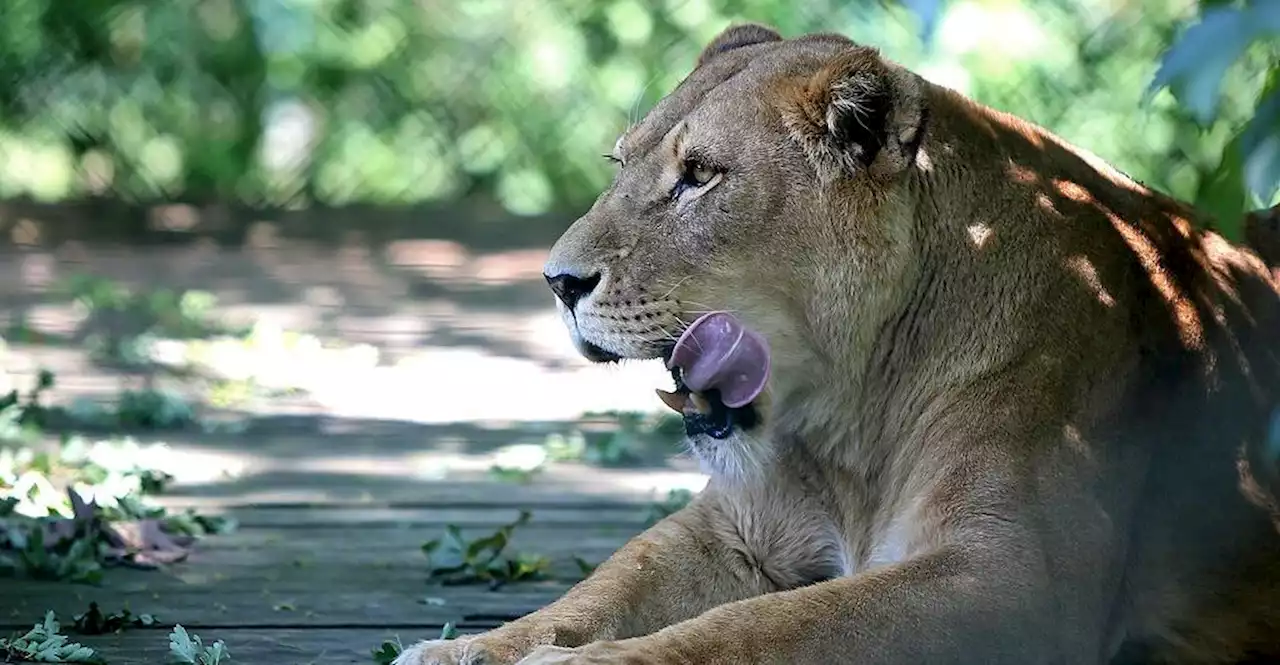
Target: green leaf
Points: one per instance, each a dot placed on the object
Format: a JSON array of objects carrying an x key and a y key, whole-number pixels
[
  {"x": 585, "y": 567},
  {"x": 43, "y": 643},
  {"x": 44, "y": 380},
  {"x": 215, "y": 654},
  {"x": 1260, "y": 143},
  {"x": 1223, "y": 193},
  {"x": 454, "y": 560},
  {"x": 182, "y": 647},
  {"x": 386, "y": 653},
  {"x": 1194, "y": 66},
  {"x": 95, "y": 622},
  {"x": 494, "y": 543}
]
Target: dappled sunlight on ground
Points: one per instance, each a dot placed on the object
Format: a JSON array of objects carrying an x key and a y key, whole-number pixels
[
  {"x": 420, "y": 374},
  {"x": 430, "y": 384},
  {"x": 447, "y": 385},
  {"x": 421, "y": 330},
  {"x": 399, "y": 468}
]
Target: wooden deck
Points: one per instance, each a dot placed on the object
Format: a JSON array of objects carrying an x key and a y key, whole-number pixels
[
  {"x": 336, "y": 493},
  {"x": 328, "y": 581}
]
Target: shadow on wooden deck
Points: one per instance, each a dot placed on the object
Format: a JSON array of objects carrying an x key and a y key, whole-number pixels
[
  {"x": 326, "y": 561},
  {"x": 336, "y": 493}
]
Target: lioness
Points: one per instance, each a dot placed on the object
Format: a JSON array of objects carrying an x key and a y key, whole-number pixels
[{"x": 1018, "y": 405}]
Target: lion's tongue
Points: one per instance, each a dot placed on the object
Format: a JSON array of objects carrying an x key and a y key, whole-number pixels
[{"x": 718, "y": 352}]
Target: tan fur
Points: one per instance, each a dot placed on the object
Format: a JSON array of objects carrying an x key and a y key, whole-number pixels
[{"x": 1018, "y": 405}]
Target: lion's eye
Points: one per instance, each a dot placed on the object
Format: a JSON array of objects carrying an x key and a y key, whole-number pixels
[
  {"x": 695, "y": 174},
  {"x": 698, "y": 173}
]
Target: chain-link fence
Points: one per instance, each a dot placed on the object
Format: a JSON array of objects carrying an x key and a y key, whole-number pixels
[{"x": 292, "y": 102}]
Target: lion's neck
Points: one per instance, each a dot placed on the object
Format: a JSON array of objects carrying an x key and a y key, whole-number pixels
[
  {"x": 869, "y": 365},
  {"x": 822, "y": 378}
]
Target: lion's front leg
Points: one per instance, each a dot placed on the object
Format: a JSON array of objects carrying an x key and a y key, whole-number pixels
[
  {"x": 675, "y": 570},
  {"x": 951, "y": 606}
]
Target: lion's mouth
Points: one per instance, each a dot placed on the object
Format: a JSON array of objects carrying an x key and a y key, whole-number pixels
[
  {"x": 706, "y": 412},
  {"x": 727, "y": 364},
  {"x": 596, "y": 354}
]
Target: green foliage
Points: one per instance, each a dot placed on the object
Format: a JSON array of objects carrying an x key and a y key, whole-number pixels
[
  {"x": 1217, "y": 146},
  {"x": 514, "y": 476},
  {"x": 188, "y": 648},
  {"x": 616, "y": 438},
  {"x": 22, "y": 415},
  {"x": 176, "y": 334},
  {"x": 397, "y": 101},
  {"x": 452, "y": 559},
  {"x": 674, "y": 501},
  {"x": 70, "y": 559},
  {"x": 95, "y": 622},
  {"x": 1194, "y": 68},
  {"x": 121, "y": 325},
  {"x": 152, "y": 409},
  {"x": 389, "y": 650},
  {"x": 115, "y": 473},
  {"x": 45, "y": 644},
  {"x": 585, "y": 567}
]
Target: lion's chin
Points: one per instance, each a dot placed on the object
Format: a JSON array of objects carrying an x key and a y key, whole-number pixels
[
  {"x": 595, "y": 353},
  {"x": 710, "y": 417}
]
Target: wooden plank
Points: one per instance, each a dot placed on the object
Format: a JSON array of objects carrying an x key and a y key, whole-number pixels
[
  {"x": 385, "y": 607},
  {"x": 318, "y": 576},
  {"x": 300, "y": 563},
  {"x": 387, "y": 482},
  {"x": 325, "y": 541},
  {"x": 371, "y": 544},
  {"x": 426, "y": 516},
  {"x": 282, "y": 646}
]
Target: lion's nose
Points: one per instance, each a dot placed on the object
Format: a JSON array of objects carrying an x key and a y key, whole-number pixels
[{"x": 571, "y": 288}]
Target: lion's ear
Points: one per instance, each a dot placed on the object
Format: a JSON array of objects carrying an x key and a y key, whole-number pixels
[
  {"x": 737, "y": 36},
  {"x": 858, "y": 111}
]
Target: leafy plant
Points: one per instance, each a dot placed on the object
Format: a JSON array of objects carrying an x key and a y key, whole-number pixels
[
  {"x": 514, "y": 476},
  {"x": 152, "y": 409},
  {"x": 518, "y": 463},
  {"x": 674, "y": 501},
  {"x": 452, "y": 559},
  {"x": 94, "y": 622},
  {"x": 1193, "y": 69},
  {"x": 188, "y": 648},
  {"x": 125, "y": 312},
  {"x": 70, "y": 559},
  {"x": 571, "y": 447},
  {"x": 49, "y": 530},
  {"x": 585, "y": 567},
  {"x": 44, "y": 643},
  {"x": 617, "y": 439},
  {"x": 387, "y": 652},
  {"x": 22, "y": 415},
  {"x": 189, "y": 523}
]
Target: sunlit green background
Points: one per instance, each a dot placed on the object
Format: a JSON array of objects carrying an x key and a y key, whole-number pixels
[{"x": 298, "y": 102}]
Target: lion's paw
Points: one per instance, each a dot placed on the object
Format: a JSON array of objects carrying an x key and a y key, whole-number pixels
[
  {"x": 596, "y": 653},
  {"x": 549, "y": 655},
  {"x": 441, "y": 652},
  {"x": 482, "y": 649}
]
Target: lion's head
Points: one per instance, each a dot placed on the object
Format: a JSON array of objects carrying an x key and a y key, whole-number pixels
[{"x": 770, "y": 183}]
